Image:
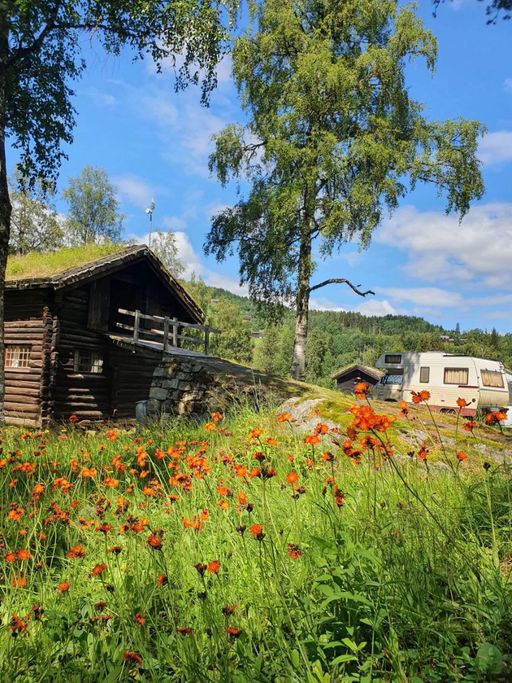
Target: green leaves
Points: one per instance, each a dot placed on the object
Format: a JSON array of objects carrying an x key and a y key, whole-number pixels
[{"x": 333, "y": 139}]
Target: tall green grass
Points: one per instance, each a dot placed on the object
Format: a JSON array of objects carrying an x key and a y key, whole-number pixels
[{"x": 377, "y": 571}]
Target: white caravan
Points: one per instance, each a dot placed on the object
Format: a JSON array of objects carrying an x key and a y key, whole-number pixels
[{"x": 482, "y": 383}]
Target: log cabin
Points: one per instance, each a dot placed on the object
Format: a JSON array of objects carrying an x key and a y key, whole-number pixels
[
  {"x": 62, "y": 333},
  {"x": 348, "y": 377}
]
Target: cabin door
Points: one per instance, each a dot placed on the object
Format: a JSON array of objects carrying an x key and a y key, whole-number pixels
[{"x": 127, "y": 296}]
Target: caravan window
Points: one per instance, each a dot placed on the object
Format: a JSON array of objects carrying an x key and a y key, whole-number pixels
[
  {"x": 424, "y": 375},
  {"x": 393, "y": 358},
  {"x": 492, "y": 378},
  {"x": 394, "y": 377},
  {"x": 456, "y": 375}
]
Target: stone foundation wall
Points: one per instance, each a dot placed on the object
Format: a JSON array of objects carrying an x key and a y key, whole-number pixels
[{"x": 196, "y": 386}]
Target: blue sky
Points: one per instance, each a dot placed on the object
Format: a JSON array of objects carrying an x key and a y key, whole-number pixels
[{"x": 155, "y": 143}]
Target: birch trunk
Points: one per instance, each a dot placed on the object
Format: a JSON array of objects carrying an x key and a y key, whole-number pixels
[{"x": 302, "y": 307}]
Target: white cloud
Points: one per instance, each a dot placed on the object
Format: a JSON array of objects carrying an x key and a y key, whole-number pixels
[
  {"x": 134, "y": 189},
  {"x": 215, "y": 208},
  {"x": 193, "y": 264},
  {"x": 173, "y": 223},
  {"x": 376, "y": 307},
  {"x": 101, "y": 99},
  {"x": 171, "y": 65},
  {"x": 478, "y": 252},
  {"x": 185, "y": 128},
  {"x": 507, "y": 84},
  {"x": 432, "y": 297},
  {"x": 225, "y": 282},
  {"x": 321, "y": 303},
  {"x": 496, "y": 148}
]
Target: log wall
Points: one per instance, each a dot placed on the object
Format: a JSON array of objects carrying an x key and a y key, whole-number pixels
[
  {"x": 85, "y": 395},
  {"x": 25, "y": 326},
  {"x": 132, "y": 378}
]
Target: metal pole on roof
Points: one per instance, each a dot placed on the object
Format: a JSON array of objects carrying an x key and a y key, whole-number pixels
[{"x": 149, "y": 211}]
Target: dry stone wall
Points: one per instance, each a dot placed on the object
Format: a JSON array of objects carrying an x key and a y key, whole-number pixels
[{"x": 191, "y": 385}]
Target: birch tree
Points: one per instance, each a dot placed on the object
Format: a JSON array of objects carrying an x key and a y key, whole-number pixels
[{"x": 333, "y": 141}]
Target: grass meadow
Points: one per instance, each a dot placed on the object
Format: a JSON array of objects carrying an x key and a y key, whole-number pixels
[{"x": 242, "y": 549}]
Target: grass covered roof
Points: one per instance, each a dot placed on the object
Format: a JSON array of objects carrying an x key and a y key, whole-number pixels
[{"x": 36, "y": 265}]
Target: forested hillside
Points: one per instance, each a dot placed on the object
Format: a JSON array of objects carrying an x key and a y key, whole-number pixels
[{"x": 335, "y": 339}]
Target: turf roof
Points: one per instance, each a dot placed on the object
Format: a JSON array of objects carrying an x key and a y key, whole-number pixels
[{"x": 36, "y": 265}]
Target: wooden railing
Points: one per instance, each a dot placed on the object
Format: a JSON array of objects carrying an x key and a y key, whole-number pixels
[{"x": 168, "y": 332}]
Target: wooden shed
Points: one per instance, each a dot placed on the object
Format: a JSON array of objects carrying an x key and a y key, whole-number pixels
[
  {"x": 348, "y": 377},
  {"x": 62, "y": 329}
]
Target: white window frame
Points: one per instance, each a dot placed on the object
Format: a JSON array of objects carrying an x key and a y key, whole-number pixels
[{"x": 17, "y": 356}]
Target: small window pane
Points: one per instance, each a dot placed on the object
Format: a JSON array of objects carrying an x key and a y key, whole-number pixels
[
  {"x": 456, "y": 375},
  {"x": 395, "y": 377},
  {"x": 17, "y": 356},
  {"x": 89, "y": 361},
  {"x": 492, "y": 378},
  {"x": 393, "y": 358},
  {"x": 424, "y": 375}
]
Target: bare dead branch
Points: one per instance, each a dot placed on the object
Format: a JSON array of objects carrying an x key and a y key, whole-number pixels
[{"x": 342, "y": 281}]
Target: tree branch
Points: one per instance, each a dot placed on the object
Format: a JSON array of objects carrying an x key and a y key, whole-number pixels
[{"x": 341, "y": 281}]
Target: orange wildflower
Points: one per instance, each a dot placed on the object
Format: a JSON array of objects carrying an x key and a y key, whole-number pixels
[
  {"x": 423, "y": 453},
  {"x": 420, "y": 396},
  {"x": 132, "y": 657},
  {"x": 19, "y": 582},
  {"x": 23, "y": 554},
  {"x": 210, "y": 426},
  {"x": 285, "y": 417},
  {"x": 321, "y": 428},
  {"x": 294, "y": 551},
  {"x": 76, "y": 551},
  {"x": 17, "y": 625},
  {"x": 255, "y": 433},
  {"x": 256, "y": 530},
  {"x": 462, "y": 403},
  {"x": 162, "y": 580},
  {"x": 292, "y": 477},
  {"x": 233, "y": 632},
  {"x": 361, "y": 390},
  {"x": 461, "y": 456},
  {"x": 214, "y": 566},
  {"x": 139, "y": 619},
  {"x": 38, "y": 489},
  {"x": 98, "y": 569},
  {"x": 312, "y": 439},
  {"x": 184, "y": 630},
  {"x": 16, "y": 513},
  {"x": 469, "y": 425},
  {"x": 495, "y": 417},
  {"x": 216, "y": 416},
  {"x": 404, "y": 408},
  {"x": 155, "y": 541}
]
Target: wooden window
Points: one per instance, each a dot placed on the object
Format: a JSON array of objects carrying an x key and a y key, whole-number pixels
[
  {"x": 424, "y": 375},
  {"x": 393, "y": 358},
  {"x": 456, "y": 375},
  {"x": 492, "y": 378},
  {"x": 17, "y": 356},
  {"x": 88, "y": 362}
]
